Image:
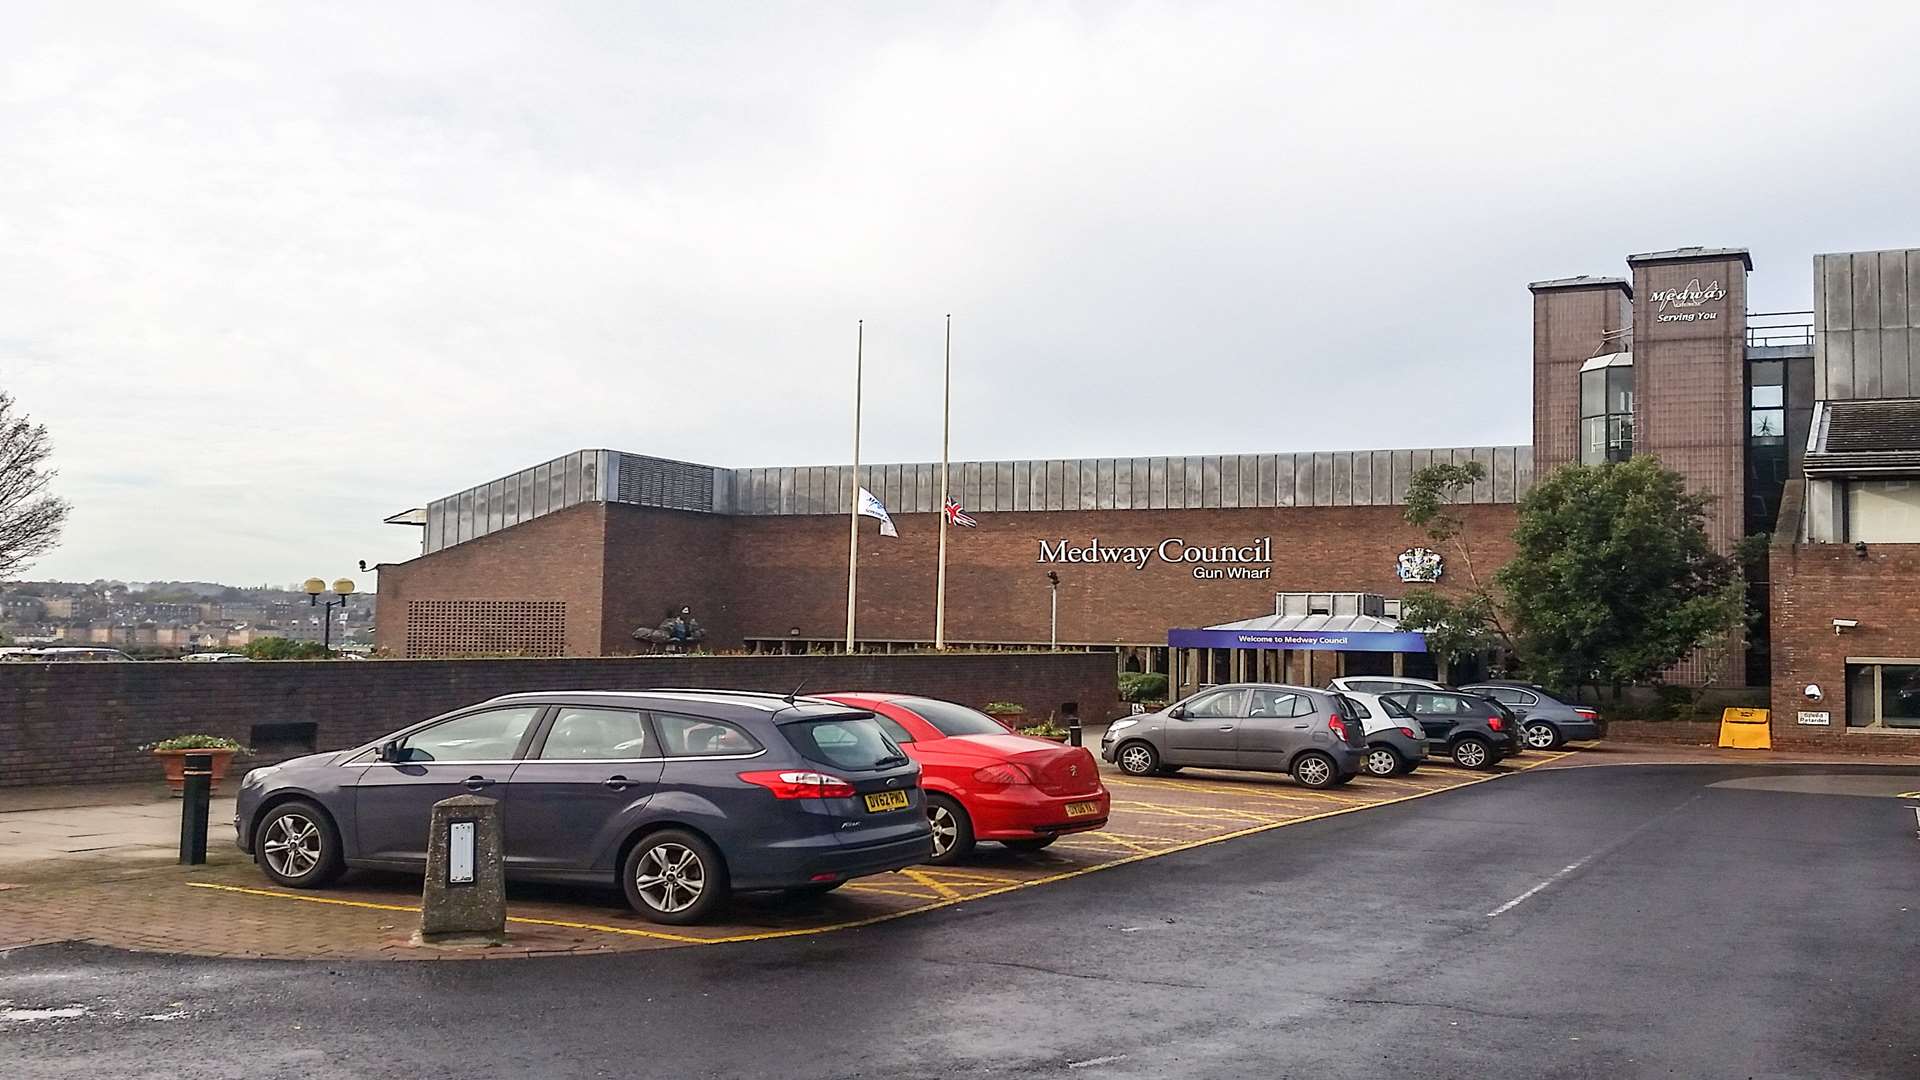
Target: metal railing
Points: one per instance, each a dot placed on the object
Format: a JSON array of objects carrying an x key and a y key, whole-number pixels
[{"x": 1779, "y": 329}]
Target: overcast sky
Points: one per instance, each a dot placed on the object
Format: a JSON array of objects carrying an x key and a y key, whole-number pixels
[{"x": 272, "y": 272}]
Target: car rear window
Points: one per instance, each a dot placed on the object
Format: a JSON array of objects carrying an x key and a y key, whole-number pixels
[
  {"x": 844, "y": 742},
  {"x": 951, "y": 719}
]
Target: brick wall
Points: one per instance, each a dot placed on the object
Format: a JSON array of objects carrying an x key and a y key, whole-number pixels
[
  {"x": 1814, "y": 584},
  {"x": 82, "y": 723}
]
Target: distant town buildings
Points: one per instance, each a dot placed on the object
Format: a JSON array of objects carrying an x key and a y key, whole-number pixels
[{"x": 171, "y": 616}]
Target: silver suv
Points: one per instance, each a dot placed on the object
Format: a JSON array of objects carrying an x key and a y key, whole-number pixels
[{"x": 1313, "y": 734}]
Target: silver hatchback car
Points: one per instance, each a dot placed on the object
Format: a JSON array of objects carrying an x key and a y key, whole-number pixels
[{"x": 1315, "y": 735}]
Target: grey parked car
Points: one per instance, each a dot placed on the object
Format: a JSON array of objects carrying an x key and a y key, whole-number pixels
[
  {"x": 679, "y": 797},
  {"x": 1396, "y": 743},
  {"x": 1313, "y": 734},
  {"x": 1545, "y": 720}
]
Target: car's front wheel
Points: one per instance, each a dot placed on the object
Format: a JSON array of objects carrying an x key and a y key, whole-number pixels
[
  {"x": 1541, "y": 736},
  {"x": 1138, "y": 758},
  {"x": 1384, "y": 761},
  {"x": 675, "y": 877},
  {"x": 952, "y": 830},
  {"x": 297, "y": 846},
  {"x": 1473, "y": 752},
  {"x": 1315, "y": 770}
]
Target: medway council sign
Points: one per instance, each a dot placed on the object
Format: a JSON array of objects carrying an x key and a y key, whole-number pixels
[
  {"x": 1400, "y": 641},
  {"x": 1249, "y": 562}
]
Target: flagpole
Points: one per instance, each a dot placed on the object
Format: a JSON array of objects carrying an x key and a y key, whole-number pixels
[
  {"x": 853, "y": 514},
  {"x": 946, "y": 436}
]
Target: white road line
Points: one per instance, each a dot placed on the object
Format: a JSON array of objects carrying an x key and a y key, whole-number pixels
[
  {"x": 1523, "y": 897},
  {"x": 1108, "y": 1060}
]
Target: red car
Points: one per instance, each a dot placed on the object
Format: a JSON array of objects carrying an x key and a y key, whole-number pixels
[{"x": 983, "y": 782}]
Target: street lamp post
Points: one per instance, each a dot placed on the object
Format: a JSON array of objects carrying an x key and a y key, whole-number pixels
[
  {"x": 342, "y": 589},
  {"x": 1053, "y": 602}
]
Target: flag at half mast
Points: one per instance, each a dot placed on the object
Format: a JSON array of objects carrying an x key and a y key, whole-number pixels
[{"x": 871, "y": 506}]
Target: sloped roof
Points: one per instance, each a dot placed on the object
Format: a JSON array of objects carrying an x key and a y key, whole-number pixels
[{"x": 1865, "y": 437}]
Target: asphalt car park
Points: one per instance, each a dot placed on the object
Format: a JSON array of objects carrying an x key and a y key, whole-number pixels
[{"x": 230, "y": 908}]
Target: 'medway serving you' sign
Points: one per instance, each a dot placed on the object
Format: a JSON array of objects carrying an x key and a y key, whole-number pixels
[
  {"x": 1401, "y": 641},
  {"x": 1249, "y": 562}
]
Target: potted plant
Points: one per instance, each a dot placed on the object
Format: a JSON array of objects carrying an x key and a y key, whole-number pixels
[
  {"x": 173, "y": 756},
  {"x": 1011, "y": 714},
  {"x": 1049, "y": 729}
]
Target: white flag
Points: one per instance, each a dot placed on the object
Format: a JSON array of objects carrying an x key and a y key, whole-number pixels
[{"x": 874, "y": 508}]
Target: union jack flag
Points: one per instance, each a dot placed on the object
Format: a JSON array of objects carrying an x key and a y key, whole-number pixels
[{"x": 957, "y": 516}]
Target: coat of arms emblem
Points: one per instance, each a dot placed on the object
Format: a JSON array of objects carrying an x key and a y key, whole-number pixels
[{"x": 1420, "y": 564}]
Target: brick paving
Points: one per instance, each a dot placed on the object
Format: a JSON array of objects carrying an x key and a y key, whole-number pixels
[{"x": 138, "y": 900}]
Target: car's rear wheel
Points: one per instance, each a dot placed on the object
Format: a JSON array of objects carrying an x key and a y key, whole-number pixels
[
  {"x": 1138, "y": 758},
  {"x": 1541, "y": 736},
  {"x": 1315, "y": 770},
  {"x": 1384, "y": 761},
  {"x": 952, "y": 830},
  {"x": 297, "y": 846},
  {"x": 1035, "y": 844},
  {"x": 1473, "y": 752},
  {"x": 675, "y": 877}
]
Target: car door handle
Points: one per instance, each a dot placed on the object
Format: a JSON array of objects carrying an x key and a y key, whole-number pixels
[
  {"x": 1300, "y": 727},
  {"x": 617, "y": 783},
  {"x": 1226, "y": 727},
  {"x": 475, "y": 783}
]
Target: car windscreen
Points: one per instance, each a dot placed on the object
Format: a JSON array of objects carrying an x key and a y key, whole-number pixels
[
  {"x": 844, "y": 742},
  {"x": 951, "y": 719}
]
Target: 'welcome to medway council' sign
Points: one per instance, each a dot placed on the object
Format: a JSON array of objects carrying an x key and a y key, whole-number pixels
[{"x": 1402, "y": 641}]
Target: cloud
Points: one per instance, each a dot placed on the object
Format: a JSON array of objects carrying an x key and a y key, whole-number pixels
[{"x": 272, "y": 274}]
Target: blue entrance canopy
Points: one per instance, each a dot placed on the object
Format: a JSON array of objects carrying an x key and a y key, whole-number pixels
[{"x": 1400, "y": 641}]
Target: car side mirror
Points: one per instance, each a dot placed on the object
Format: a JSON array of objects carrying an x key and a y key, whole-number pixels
[
  {"x": 390, "y": 751},
  {"x": 1178, "y": 712}
]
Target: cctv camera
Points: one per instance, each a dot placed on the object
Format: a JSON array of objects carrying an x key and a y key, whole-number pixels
[
  {"x": 1844, "y": 624},
  {"x": 1813, "y": 692}
]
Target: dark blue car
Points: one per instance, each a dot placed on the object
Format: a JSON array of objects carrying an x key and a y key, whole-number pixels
[{"x": 682, "y": 797}]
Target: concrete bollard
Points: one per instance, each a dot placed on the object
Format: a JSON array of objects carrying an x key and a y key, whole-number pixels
[
  {"x": 465, "y": 896},
  {"x": 195, "y": 795}
]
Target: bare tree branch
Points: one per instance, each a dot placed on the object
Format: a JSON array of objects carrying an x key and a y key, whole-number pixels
[{"x": 30, "y": 516}]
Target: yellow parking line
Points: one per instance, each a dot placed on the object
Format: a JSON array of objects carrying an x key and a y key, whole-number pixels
[
  {"x": 1249, "y": 791},
  {"x": 1109, "y": 840},
  {"x": 927, "y": 879},
  {"x": 911, "y": 894},
  {"x": 1217, "y": 814},
  {"x": 889, "y": 916}
]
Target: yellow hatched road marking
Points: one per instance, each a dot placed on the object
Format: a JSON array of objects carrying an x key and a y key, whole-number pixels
[{"x": 1266, "y": 823}]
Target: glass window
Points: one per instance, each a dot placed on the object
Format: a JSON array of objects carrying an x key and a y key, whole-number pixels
[
  {"x": 1883, "y": 511},
  {"x": 1218, "y": 705},
  {"x": 1860, "y": 694},
  {"x": 1593, "y": 392},
  {"x": 1277, "y": 703},
  {"x": 694, "y": 736},
  {"x": 1900, "y": 695},
  {"x": 1393, "y": 708},
  {"x": 1620, "y": 390},
  {"x": 1768, "y": 423},
  {"x": 1606, "y": 415},
  {"x": 844, "y": 743},
  {"x": 1593, "y": 440},
  {"x": 1769, "y": 397},
  {"x": 1767, "y": 373},
  {"x": 1619, "y": 437},
  {"x": 1359, "y": 707},
  {"x": 950, "y": 719},
  {"x": 898, "y": 732},
  {"x": 493, "y": 735},
  {"x": 589, "y": 734}
]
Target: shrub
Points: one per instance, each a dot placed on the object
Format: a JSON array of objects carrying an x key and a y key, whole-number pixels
[
  {"x": 279, "y": 648},
  {"x": 1004, "y": 708},
  {"x": 197, "y": 742},
  {"x": 1143, "y": 686}
]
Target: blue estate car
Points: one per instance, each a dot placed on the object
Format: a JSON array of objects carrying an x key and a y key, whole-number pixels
[{"x": 679, "y": 796}]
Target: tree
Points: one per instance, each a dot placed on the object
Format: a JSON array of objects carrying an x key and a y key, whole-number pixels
[
  {"x": 279, "y": 648},
  {"x": 30, "y": 516},
  {"x": 1614, "y": 579},
  {"x": 1465, "y": 621}
]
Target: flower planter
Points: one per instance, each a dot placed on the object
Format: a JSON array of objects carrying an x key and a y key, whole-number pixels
[
  {"x": 175, "y": 763},
  {"x": 1012, "y": 721}
]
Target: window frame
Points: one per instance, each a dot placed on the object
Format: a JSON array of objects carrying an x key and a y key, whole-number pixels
[
  {"x": 1616, "y": 427},
  {"x": 656, "y": 716},
  {"x": 1876, "y": 724},
  {"x": 535, "y": 751},
  {"x": 535, "y": 726},
  {"x": 1239, "y": 692}
]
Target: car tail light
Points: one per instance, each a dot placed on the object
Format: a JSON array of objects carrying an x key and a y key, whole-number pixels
[
  {"x": 1493, "y": 723},
  {"x": 1338, "y": 727},
  {"x": 1408, "y": 732},
  {"x": 1004, "y": 774},
  {"x": 1589, "y": 714},
  {"x": 792, "y": 784}
]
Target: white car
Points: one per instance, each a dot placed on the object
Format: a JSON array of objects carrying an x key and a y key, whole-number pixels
[
  {"x": 1396, "y": 744},
  {"x": 214, "y": 658},
  {"x": 1383, "y": 684}
]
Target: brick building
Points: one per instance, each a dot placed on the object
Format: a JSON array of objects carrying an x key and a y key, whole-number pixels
[{"x": 571, "y": 556}]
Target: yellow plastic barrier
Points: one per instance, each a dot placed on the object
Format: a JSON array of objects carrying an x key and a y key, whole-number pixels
[{"x": 1745, "y": 729}]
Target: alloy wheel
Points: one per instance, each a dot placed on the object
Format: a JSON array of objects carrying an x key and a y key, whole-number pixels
[
  {"x": 670, "y": 878},
  {"x": 1539, "y": 736},
  {"x": 946, "y": 830},
  {"x": 292, "y": 845},
  {"x": 1136, "y": 760},
  {"x": 1315, "y": 772},
  {"x": 1382, "y": 762},
  {"x": 1471, "y": 754}
]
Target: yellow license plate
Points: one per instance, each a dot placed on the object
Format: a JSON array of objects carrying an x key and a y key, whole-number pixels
[
  {"x": 881, "y": 801},
  {"x": 1082, "y": 809}
]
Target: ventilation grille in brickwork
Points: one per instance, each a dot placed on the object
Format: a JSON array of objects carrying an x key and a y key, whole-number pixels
[
  {"x": 677, "y": 485},
  {"x": 486, "y": 627}
]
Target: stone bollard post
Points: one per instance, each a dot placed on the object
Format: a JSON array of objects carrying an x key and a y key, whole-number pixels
[{"x": 465, "y": 897}]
